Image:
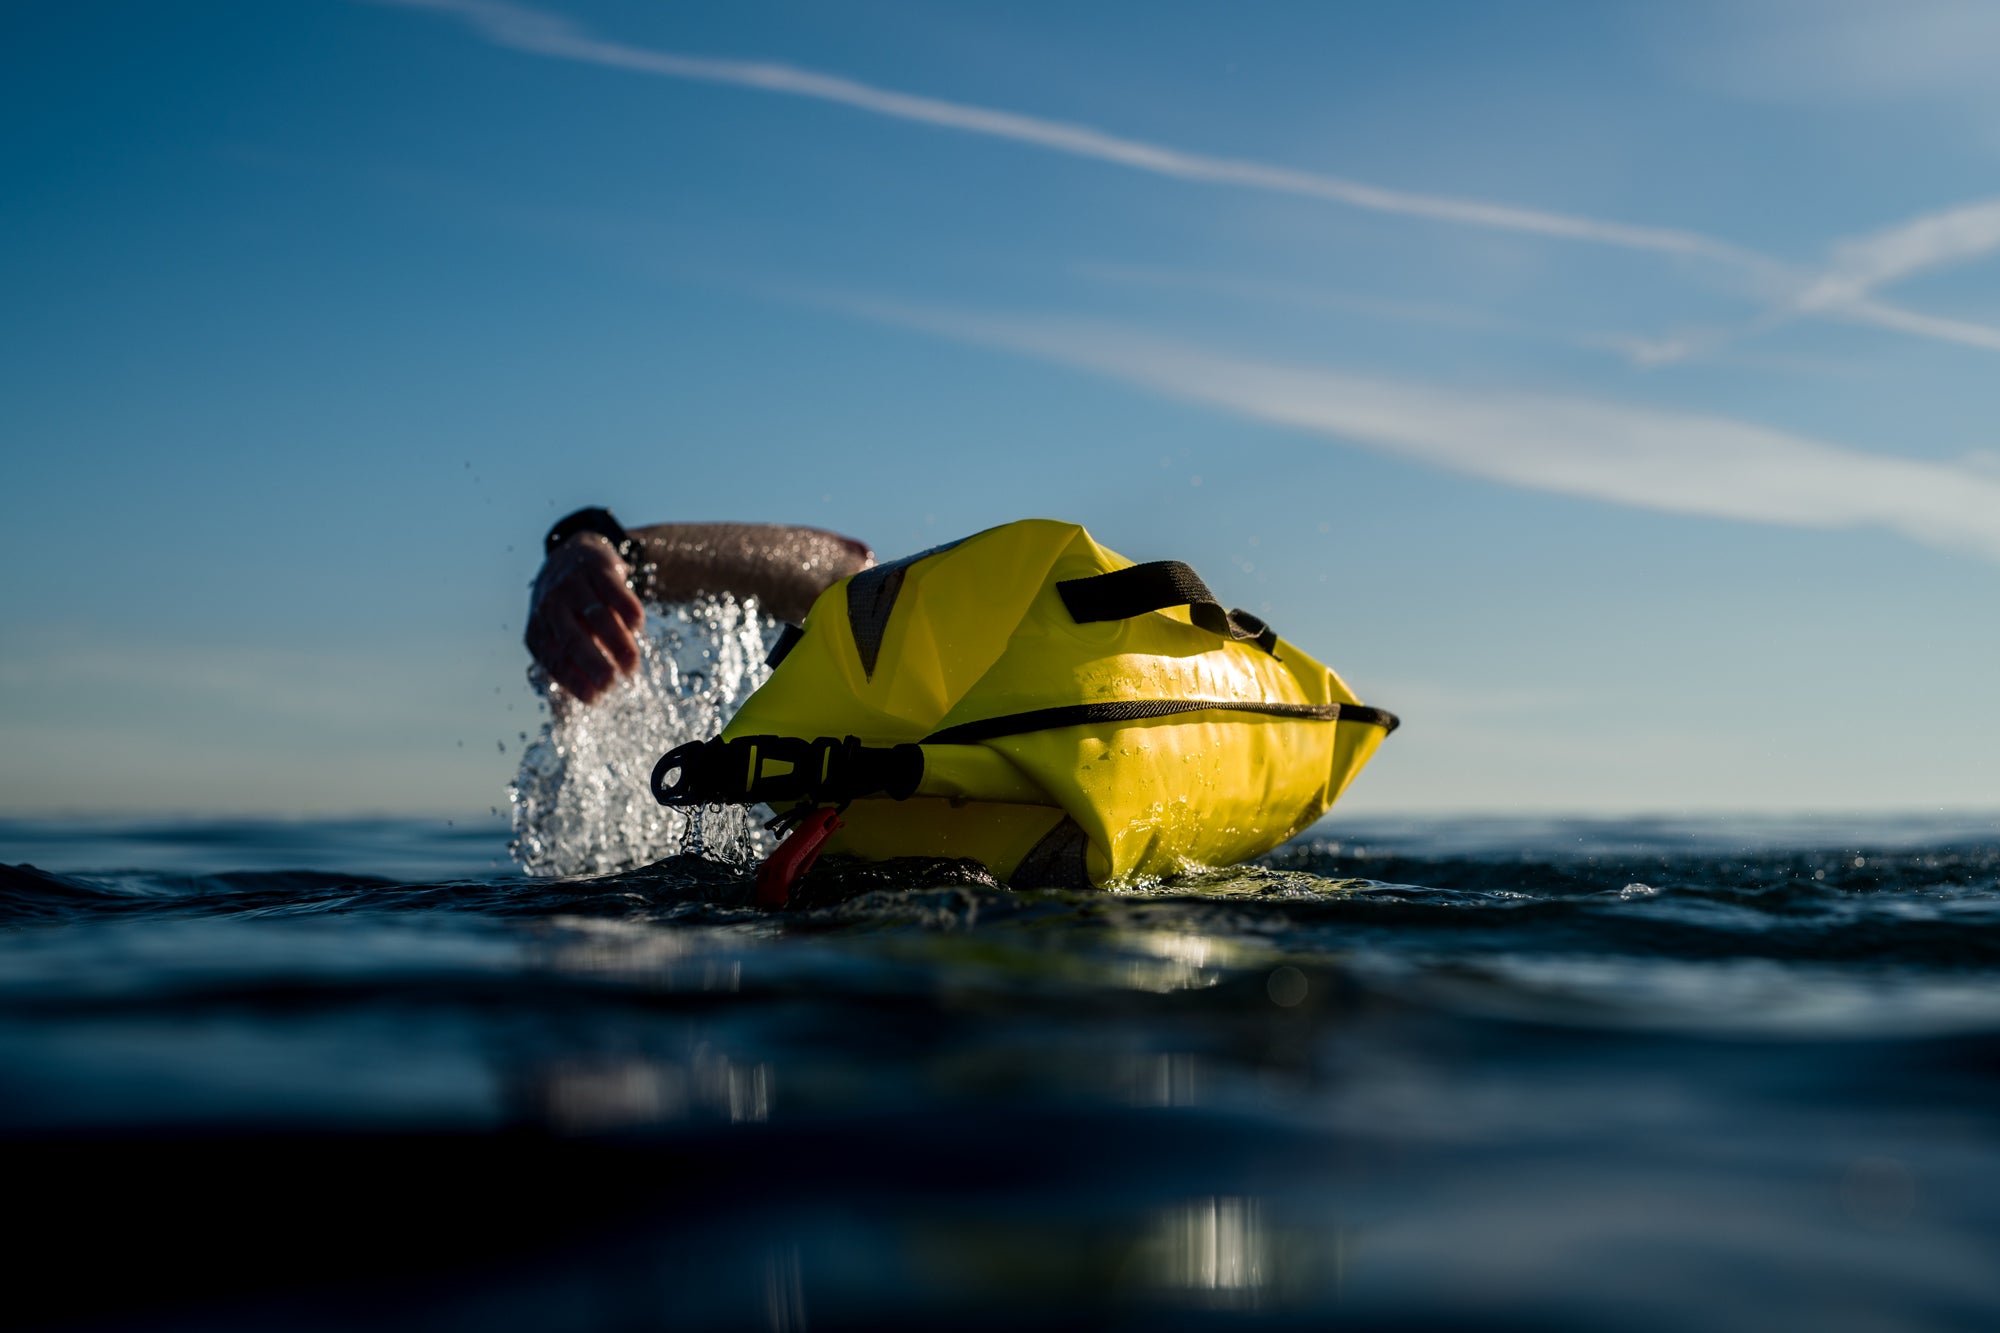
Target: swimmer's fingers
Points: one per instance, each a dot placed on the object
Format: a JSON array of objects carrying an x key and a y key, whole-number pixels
[
  {"x": 567, "y": 649},
  {"x": 582, "y": 617},
  {"x": 612, "y": 637},
  {"x": 547, "y": 646},
  {"x": 597, "y": 597},
  {"x": 609, "y": 584},
  {"x": 577, "y": 662}
]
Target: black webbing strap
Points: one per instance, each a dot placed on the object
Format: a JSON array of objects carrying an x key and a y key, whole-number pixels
[
  {"x": 1133, "y": 710},
  {"x": 749, "y": 769},
  {"x": 788, "y": 639},
  {"x": 871, "y": 596},
  {"x": 1155, "y": 586}
]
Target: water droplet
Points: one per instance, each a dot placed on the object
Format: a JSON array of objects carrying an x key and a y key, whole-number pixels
[
  {"x": 581, "y": 802},
  {"x": 1286, "y": 986}
]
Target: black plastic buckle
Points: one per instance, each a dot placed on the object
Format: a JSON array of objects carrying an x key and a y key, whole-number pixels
[{"x": 777, "y": 769}]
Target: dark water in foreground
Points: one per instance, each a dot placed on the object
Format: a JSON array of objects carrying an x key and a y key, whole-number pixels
[{"x": 1636, "y": 1075}]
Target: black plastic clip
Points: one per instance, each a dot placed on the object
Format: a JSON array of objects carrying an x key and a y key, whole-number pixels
[{"x": 778, "y": 769}]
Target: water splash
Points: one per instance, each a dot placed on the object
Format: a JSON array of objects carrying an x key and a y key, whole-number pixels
[{"x": 581, "y": 802}]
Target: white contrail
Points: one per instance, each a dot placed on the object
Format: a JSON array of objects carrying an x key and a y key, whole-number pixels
[
  {"x": 1678, "y": 462},
  {"x": 539, "y": 32},
  {"x": 542, "y": 33},
  {"x": 1924, "y": 326},
  {"x": 1867, "y": 264}
]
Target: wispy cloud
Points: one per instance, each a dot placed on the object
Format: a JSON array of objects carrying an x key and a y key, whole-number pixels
[
  {"x": 1436, "y": 314},
  {"x": 1861, "y": 267},
  {"x": 539, "y": 32},
  {"x": 1847, "y": 50},
  {"x": 1432, "y": 314},
  {"x": 1937, "y": 51},
  {"x": 1842, "y": 292},
  {"x": 1964, "y": 332},
  {"x": 1648, "y": 458},
  {"x": 1935, "y": 240}
]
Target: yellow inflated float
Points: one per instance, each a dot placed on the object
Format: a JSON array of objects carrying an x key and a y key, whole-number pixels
[{"x": 1026, "y": 698}]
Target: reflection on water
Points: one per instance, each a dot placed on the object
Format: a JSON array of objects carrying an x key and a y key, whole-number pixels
[
  {"x": 582, "y": 1098},
  {"x": 1169, "y": 1079},
  {"x": 1176, "y": 960},
  {"x": 641, "y": 953},
  {"x": 1212, "y": 1249},
  {"x": 588, "y": 1096},
  {"x": 784, "y": 1291}
]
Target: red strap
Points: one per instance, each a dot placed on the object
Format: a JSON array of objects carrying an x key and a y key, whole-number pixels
[{"x": 794, "y": 857}]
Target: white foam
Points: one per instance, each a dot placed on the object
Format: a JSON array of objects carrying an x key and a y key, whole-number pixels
[{"x": 581, "y": 802}]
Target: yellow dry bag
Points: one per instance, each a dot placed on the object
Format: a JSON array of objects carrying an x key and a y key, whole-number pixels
[{"x": 1030, "y": 700}]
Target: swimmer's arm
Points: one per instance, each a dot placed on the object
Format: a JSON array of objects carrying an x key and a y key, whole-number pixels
[
  {"x": 583, "y": 621},
  {"x": 785, "y": 568}
]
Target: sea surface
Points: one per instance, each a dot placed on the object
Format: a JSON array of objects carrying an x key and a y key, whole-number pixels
[
  {"x": 1517, "y": 1074},
  {"x": 1636, "y": 1074}
]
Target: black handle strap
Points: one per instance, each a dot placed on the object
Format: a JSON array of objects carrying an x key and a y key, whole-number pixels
[
  {"x": 1124, "y": 593},
  {"x": 749, "y": 769}
]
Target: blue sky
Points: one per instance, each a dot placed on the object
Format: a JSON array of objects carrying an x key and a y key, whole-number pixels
[{"x": 1609, "y": 389}]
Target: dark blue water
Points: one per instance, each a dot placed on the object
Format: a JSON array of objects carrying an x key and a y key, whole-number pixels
[{"x": 1633, "y": 1074}]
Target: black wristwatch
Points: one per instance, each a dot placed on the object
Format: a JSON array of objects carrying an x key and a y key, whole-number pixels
[{"x": 600, "y": 522}]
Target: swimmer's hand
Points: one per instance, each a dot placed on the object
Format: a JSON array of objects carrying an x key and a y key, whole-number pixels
[{"x": 583, "y": 621}]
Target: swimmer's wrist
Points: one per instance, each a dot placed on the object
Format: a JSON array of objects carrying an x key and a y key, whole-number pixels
[{"x": 604, "y": 525}]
